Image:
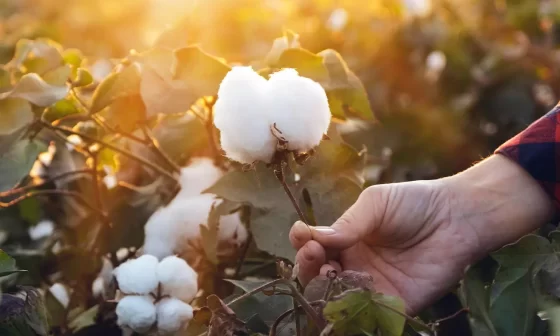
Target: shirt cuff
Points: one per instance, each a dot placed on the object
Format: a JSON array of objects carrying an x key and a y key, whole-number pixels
[{"x": 537, "y": 150}]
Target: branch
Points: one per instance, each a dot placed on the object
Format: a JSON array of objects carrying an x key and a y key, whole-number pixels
[
  {"x": 157, "y": 149},
  {"x": 52, "y": 179},
  {"x": 53, "y": 192},
  {"x": 216, "y": 154},
  {"x": 279, "y": 173},
  {"x": 243, "y": 256},
  {"x": 122, "y": 151}
]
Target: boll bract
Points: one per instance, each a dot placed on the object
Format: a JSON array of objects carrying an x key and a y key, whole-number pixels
[
  {"x": 240, "y": 113},
  {"x": 299, "y": 109},
  {"x": 136, "y": 312},
  {"x": 172, "y": 315},
  {"x": 177, "y": 278},
  {"x": 249, "y": 107},
  {"x": 138, "y": 276}
]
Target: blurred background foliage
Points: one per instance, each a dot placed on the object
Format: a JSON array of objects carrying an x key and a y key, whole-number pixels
[{"x": 448, "y": 80}]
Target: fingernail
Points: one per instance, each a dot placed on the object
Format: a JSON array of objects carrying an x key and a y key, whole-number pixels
[{"x": 326, "y": 230}]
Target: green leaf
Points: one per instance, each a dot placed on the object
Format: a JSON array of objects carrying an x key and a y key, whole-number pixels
[
  {"x": 5, "y": 78},
  {"x": 30, "y": 210},
  {"x": 529, "y": 250},
  {"x": 345, "y": 91},
  {"x": 85, "y": 319},
  {"x": 61, "y": 109},
  {"x": 305, "y": 62},
  {"x": 475, "y": 295},
  {"x": 36, "y": 56},
  {"x": 83, "y": 78},
  {"x": 7, "y": 264},
  {"x": 164, "y": 96},
  {"x": 514, "y": 312},
  {"x": 268, "y": 307},
  {"x": 58, "y": 76},
  {"x": 23, "y": 313},
  {"x": 34, "y": 89},
  {"x": 199, "y": 72},
  {"x": 116, "y": 85},
  {"x": 356, "y": 311},
  {"x": 15, "y": 114},
  {"x": 17, "y": 162},
  {"x": 73, "y": 57}
]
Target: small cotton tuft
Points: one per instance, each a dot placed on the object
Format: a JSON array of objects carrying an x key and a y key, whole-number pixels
[
  {"x": 138, "y": 276},
  {"x": 240, "y": 115},
  {"x": 172, "y": 315},
  {"x": 177, "y": 278},
  {"x": 136, "y": 312},
  {"x": 300, "y": 109},
  {"x": 61, "y": 294},
  {"x": 42, "y": 230}
]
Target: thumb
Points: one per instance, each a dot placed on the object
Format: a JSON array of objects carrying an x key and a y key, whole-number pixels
[{"x": 357, "y": 222}]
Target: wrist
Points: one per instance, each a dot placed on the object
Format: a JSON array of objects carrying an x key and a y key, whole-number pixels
[{"x": 500, "y": 202}]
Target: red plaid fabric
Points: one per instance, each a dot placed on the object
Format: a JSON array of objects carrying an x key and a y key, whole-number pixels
[{"x": 537, "y": 150}]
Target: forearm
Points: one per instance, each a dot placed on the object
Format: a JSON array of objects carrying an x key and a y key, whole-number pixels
[{"x": 500, "y": 201}]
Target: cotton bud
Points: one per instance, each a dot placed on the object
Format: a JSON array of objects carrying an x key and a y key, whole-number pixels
[
  {"x": 138, "y": 276},
  {"x": 61, "y": 294},
  {"x": 177, "y": 278},
  {"x": 198, "y": 176},
  {"x": 300, "y": 109},
  {"x": 240, "y": 113},
  {"x": 136, "y": 312},
  {"x": 172, "y": 315}
]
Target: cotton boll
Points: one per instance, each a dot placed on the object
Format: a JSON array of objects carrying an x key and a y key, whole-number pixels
[
  {"x": 42, "y": 230},
  {"x": 104, "y": 278},
  {"x": 60, "y": 293},
  {"x": 231, "y": 229},
  {"x": 177, "y": 278},
  {"x": 136, "y": 312},
  {"x": 175, "y": 224},
  {"x": 138, "y": 276},
  {"x": 240, "y": 115},
  {"x": 300, "y": 109},
  {"x": 172, "y": 315},
  {"x": 198, "y": 176}
]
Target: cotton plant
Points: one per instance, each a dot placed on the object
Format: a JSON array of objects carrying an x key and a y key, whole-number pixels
[
  {"x": 156, "y": 294},
  {"x": 264, "y": 120},
  {"x": 171, "y": 227}
]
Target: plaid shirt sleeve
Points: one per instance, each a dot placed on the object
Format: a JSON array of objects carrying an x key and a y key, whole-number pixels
[{"x": 537, "y": 150}]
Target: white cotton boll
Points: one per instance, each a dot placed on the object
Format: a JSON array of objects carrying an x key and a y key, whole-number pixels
[
  {"x": 60, "y": 293},
  {"x": 172, "y": 315},
  {"x": 38, "y": 170},
  {"x": 41, "y": 230},
  {"x": 136, "y": 312},
  {"x": 300, "y": 109},
  {"x": 177, "y": 278},
  {"x": 138, "y": 276},
  {"x": 240, "y": 115},
  {"x": 231, "y": 229},
  {"x": 110, "y": 181},
  {"x": 198, "y": 176}
]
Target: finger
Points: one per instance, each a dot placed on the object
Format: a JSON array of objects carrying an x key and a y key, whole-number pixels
[
  {"x": 310, "y": 259},
  {"x": 356, "y": 223},
  {"x": 299, "y": 234}
]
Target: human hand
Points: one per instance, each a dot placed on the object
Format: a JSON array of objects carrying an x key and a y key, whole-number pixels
[{"x": 417, "y": 238}]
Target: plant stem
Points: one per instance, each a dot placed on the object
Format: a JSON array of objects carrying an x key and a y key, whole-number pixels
[
  {"x": 209, "y": 123},
  {"x": 243, "y": 256},
  {"x": 157, "y": 149},
  {"x": 55, "y": 178},
  {"x": 296, "y": 317},
  {"x": 112, "y": 147},
  {"x": 278, "y": 320},
  {"x": 452, "y": 316},
  {"x": 295, "y": 204},
  {"x": 53, "y": 192}
]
